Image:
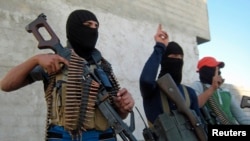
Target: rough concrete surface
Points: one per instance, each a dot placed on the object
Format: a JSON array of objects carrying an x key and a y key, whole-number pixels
[{"x": 125, "y": 39}]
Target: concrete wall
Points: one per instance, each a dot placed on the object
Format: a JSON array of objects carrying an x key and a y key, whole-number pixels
[{"x": 126, "y": 40}]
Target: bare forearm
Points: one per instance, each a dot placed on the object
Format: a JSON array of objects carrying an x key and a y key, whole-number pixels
[
  {"x": 202, "y": 98},
  {"x": 17, "y": 76}
]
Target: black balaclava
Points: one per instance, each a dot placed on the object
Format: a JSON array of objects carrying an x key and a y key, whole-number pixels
[
  {"x": 173, "y": 66},
  {"x": 207, "y": 74},
  {"x": 82, "y": 38}
]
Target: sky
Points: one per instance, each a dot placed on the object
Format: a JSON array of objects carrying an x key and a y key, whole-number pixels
[{"x": 229, "y": 24}]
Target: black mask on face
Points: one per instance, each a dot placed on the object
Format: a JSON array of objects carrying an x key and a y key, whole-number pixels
[
  {"x": 207, "y": 74},
  {"x": 173, "y": 66},
  {"x": 82, "y": 38}
]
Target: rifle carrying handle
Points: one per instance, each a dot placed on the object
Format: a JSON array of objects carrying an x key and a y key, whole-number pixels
[{"x": 34, "y": 26}]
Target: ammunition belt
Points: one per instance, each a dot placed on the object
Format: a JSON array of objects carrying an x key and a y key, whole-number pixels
[
  {"x": 48, "y": 98},
  {"x": 77, "y": 105},
  {"x": 218, "y": 112},
  {"x": 80, "y": 98},
  {"x": 77, "y": 102},
  {"x": 220, "y": 118},
  {"x": 108, "y": 69}
]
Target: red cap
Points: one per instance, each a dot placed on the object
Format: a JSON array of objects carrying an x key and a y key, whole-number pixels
[{"x": 209, "y": 62}]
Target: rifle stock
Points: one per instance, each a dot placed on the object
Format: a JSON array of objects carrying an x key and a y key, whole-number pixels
[
  {"x": 53, "y": 43},
  {"x": 168, "y": 86}
]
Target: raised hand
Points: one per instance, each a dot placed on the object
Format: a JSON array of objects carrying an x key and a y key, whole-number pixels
[
  {"x": 217, "y": 79},
  {"x": 161, "y": 36}
]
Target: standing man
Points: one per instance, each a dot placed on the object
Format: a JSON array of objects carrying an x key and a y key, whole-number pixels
[
  {"x": 72, "y": 84},
  {"x": 170, "y": 56}
]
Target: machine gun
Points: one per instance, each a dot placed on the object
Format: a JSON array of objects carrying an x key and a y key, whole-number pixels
[
  {"x": 168, "y": 86},
  {"x": 245, "y": 102},
  {"x": 114, "y": 120}
]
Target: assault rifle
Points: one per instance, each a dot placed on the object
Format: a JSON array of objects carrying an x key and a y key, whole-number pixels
[
  {"x": 245, "y": 102},
  {"x": 168, "y": 86},
  {"x": 115, "y": 121}
]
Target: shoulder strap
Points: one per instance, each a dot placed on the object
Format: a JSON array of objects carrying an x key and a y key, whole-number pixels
[
  {"x": 164, "y": 101},
  {"x": 187, "y": 98}
]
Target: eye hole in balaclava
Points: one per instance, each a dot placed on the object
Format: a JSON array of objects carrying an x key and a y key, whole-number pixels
[
  {"x": 207, "y": 74},
  {"x": 82, "y": 38},
  {"x": 173, "y": 66}
]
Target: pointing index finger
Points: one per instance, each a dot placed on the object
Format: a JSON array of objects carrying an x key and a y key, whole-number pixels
[
  {"x": 159, "y": 28},
  {"x": 216, "y": 71}
]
